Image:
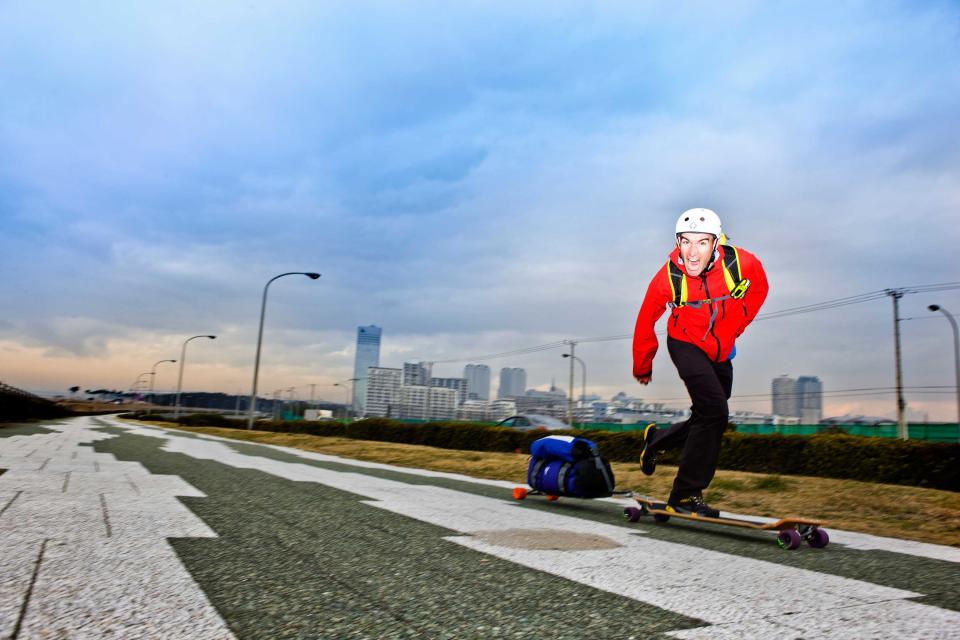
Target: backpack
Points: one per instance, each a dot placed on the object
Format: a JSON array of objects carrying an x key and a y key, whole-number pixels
[{"x": 569, "y": 466}]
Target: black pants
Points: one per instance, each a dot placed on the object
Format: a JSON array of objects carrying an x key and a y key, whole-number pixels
[{"x": 709, "y": 384}]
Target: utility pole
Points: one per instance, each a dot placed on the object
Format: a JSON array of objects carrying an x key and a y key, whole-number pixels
[
  {"x": 573, "y": 346},
  {"x": 902, "y": 432}
]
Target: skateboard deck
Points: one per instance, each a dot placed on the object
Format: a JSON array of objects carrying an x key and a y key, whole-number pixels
[{"x": 791, "y": 531}]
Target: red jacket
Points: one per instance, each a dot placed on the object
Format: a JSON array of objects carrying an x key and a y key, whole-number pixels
[{"x": 692, "y": 324}]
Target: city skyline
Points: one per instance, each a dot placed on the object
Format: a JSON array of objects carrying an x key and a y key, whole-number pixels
[{"x": 475, "y": 189}]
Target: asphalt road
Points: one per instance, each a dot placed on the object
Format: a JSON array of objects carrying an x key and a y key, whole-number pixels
[{"x": 113, "y": 530}]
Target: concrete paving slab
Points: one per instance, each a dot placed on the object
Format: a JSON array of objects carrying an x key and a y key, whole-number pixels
[
  {"x": 127, "y": 588},
  {"x": 18, "y": 558}
]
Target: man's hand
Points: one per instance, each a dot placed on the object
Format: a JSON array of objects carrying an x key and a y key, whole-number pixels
[{"x": 644, "y": 380}]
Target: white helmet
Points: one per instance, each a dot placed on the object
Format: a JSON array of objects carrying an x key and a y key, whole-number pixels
[{"x": 699, "y": 221}]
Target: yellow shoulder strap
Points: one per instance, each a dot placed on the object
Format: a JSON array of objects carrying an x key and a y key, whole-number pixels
[{"x": 678, "y": 284}]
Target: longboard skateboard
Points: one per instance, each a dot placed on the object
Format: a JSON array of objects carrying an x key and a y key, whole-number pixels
[{"x": 792, "y": 531}]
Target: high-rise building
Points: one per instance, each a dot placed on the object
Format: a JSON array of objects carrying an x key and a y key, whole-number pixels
[
  {"x": 383, "y": 397},
  {"x": 415, "y": 373},
  {"x": 368, "y": 355},
  {"x": 810, "y": 399},
  {"x": 801, "y": 398},
  {"x": 457, "y": 384},
  {"x": 478, "y": 381},
  {"x": 415, "y": 397},
  {"x": 513, "y": 382},
  {"x": 784, "y": 392}
]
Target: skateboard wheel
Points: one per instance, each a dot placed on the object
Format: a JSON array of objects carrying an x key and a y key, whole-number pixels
[
  {"x": 660, "y": 517},
  {"x": 632, "y": 514},
  {"x": 552, "y": 498},
  {"x": 818, "y": 538},
  {"x": 519, "y": 493},
  {"x": 789, "y": 539}
]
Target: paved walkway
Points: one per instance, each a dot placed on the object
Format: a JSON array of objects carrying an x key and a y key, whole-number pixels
[{"x": 114, "y": 530}]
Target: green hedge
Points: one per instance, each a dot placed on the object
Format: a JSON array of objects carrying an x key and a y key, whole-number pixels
[{"x": 915, "y": 463}]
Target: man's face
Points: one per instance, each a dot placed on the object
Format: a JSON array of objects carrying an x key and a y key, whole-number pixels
[{"x": 695, "y": 249}]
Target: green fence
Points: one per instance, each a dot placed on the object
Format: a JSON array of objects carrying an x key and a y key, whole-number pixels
[{"x": 933, "y": 431}]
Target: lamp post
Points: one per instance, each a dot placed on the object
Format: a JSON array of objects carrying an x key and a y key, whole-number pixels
[
  {"x": 346, "y": 395},
  {"x": 956, "y": 349},
  {"x": 153, "y": 375},
  {"x": 183, "y": 361},
  {"x": 136, "y": 385},
  {"x": 573, "y": 346},
  {"x": 252, "y": 409},
  {"x": 583, "y": 393}
]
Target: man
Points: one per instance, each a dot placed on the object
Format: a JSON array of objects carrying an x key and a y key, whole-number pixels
[{"x": 713, "y": 290}]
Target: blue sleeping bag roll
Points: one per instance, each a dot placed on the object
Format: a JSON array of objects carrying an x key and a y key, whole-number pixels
[{"x": 569, "y": 466}]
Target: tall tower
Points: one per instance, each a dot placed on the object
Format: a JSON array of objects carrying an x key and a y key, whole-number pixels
[
  {"x": 513, "y": 382},
  {"x": 785, "y": 399},
  {"x": 368, "y": 355},
  {"x": 810, "y": 399},
  {"x": 478, "y": 381}
]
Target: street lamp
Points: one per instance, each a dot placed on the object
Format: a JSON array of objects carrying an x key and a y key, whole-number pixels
[
  {"x": 956, "y": 349},
  {"x": 136, "y": 385},
  {"x": 256, "y": 362},
  {"x": 183, "y": 361},
  {"x": 583, "y": 394},
  {"x": 346, "y": 396},
  {"x": 153, "y": 375}
]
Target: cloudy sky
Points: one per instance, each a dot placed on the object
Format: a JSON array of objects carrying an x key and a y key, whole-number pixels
[{"x": 473, "y": 177}]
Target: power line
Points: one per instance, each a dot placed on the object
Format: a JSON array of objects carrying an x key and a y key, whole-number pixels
[
  {"x": 868, "y": 296},
  {"x": 839, "y": 393}
]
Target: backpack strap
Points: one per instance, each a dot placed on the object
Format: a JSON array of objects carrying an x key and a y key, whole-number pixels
[
  {"x": 678, "y": 284},
  {"x": 731, "y": 272},
  {"x": 731, "y": 276},
  {"x": 602, "y": 468}
]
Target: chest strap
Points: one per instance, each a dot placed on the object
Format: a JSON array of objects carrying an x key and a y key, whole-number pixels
[{"x": 736, "y": 286}]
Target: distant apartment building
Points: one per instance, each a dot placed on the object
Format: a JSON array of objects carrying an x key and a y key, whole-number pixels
[
  {"x": 367, "y": 355},
  {"x": 383, "y": 397},
  {"x": 415, "y": 373},
  {"x": 784, "y": 396},
  {"x": 800, "y": 398},
  {"x": 810, "y": 399},
  {"x": 478, "y": 381},
  {"x": 513, "y": 382},
  {"x": 428, "y": 403},
  {"x": 487, "y": 410},
  {"x": 457, "y": 384}
]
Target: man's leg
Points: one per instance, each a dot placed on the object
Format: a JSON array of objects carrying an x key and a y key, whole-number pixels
[{"x": 709, "y": 385}]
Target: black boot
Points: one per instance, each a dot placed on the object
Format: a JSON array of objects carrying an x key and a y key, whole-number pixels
[{"x": 692, "y": 505}]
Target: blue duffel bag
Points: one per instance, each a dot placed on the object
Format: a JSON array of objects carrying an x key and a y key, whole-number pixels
[{"x": 569, "y": 466}]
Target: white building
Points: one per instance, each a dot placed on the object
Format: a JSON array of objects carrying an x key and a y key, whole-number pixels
[
  {"x": 784, "y": 395},
  {"x": 415, "y": 373},
  {"x": 478, "y": 381},
  {"x": 457, "y": 384},
  {"x": 414, "y": 398},
  {"x": 383, "y": 392},
  {"x": 486, "y": 410}
]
